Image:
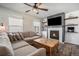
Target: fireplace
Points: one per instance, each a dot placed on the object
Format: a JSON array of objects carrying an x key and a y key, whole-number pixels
[{"x": 54, "y": 34}]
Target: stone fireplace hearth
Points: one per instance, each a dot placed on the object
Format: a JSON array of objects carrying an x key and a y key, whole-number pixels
[{"x": 54, "y": 34}]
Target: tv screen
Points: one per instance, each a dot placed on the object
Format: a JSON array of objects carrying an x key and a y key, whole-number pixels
[{"x": 55, "y": 21}]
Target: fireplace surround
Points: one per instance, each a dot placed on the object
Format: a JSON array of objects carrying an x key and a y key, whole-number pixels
[
  {"x": 59, "y": 33},
  {"x": 58, "y": 30}
]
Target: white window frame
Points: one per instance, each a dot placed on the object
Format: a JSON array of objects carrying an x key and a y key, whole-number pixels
[{"x": 15, "y": 22}]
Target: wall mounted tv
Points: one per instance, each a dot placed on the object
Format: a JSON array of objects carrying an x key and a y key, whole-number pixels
[{"x": 55, "y": 21}]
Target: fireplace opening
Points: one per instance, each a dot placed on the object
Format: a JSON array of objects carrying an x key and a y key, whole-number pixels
[{"x": 54, "y": 35}]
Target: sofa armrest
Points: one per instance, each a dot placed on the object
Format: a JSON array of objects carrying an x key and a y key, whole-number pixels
[
  {"x": 4, "y": 51},
  {"x": 39, "y": 52}
]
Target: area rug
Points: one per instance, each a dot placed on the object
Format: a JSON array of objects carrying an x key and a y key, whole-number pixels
[{"x": 68, "y": 49}]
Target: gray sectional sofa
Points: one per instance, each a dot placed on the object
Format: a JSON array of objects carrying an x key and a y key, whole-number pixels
[
  {"x": 18, "y": 47},
  {"x": 22, "y": 48}
]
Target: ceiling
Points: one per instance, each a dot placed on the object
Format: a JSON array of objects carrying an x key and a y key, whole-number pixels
[{"x": 53, "y": 8}]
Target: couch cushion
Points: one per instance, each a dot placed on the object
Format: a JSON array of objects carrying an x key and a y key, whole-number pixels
[
  {"x": 26, "y": 34},
  {"x": 15, "y": 36},
  {"x": 18, "y": 36},
  {"x": 32, "y": 34},
  {"x": 10, "y": 35},
  {"x": 24, "y": 50},
  {"x": 21, "y": 35},
  {"x": 19, "y": 44},
  {"x": 38, "y": 52},
  {"x": 31, "y": 38}
]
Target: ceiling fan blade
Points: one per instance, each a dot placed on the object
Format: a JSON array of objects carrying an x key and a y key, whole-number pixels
[
  {"x": 39, "y": 4},
  {"x": 43, "y": 9},
  {"x": 28, "y": 4},
  {"x": 27, "y": 11}
]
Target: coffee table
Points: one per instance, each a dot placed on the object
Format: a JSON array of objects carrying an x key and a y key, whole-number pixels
[{"x": 51, "y": 45}]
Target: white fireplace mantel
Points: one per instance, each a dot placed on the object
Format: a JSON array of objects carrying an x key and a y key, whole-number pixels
[{"x": 56, "y": 29}]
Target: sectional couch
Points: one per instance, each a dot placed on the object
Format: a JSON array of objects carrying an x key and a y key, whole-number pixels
[
  {"x": 16, "y": 45},
  {"x": 26, "y": 36}
]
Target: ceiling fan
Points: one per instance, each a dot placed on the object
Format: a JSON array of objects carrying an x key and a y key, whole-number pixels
[{"x": 36, "y": 7}]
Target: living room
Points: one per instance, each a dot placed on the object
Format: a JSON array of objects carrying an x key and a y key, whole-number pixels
[{"x": 39, "y": 29}]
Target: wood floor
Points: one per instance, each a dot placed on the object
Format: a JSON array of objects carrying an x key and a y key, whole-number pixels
[{"x": 66, "y": 49}]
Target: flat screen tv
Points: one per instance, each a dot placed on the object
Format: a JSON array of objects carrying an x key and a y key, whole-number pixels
[{"x": 55, "y": 21}]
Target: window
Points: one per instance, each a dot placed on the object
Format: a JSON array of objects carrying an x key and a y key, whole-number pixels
[
  {"x": 36, "y": 25},
  {"x": 15, "y": 24}
]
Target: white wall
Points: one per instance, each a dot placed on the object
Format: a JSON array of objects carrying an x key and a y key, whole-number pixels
[
  {"x": 28, "y": 19},
  {"x": 28, "y": 22},
  {"x": 72, "y": 37},
  {"x": 5, "y": 13}
]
